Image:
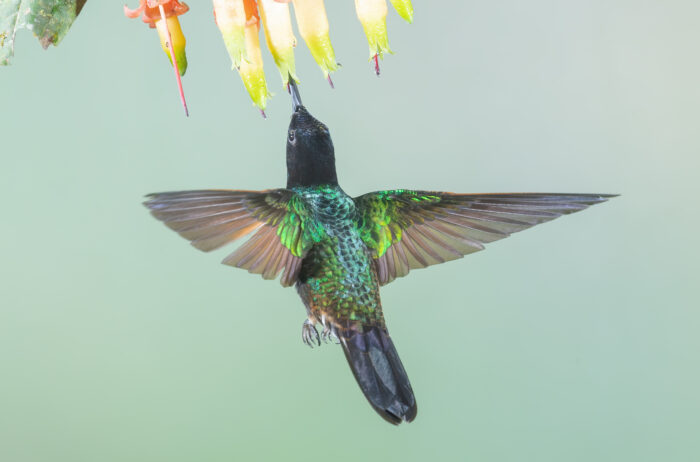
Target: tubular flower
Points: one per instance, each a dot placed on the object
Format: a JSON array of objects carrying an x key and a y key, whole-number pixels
[
  {"x": 240, "y": 21},
  {"x": 151, "y": 15},
  {"x": 279, "y": 36},
  {"x": 404, "y": 8},
  {"x": 313, "y": 27},
  {"x": 372, "y": 15},
  {"x": 162, "y": 14},
  {"x": 251, "y": 69},
  {"x": 230, "y": 18}
]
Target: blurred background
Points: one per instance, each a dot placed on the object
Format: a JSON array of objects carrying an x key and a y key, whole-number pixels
[{"x": 577, "y": 340}]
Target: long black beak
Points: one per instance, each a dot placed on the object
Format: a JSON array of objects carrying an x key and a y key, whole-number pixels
[{"x": 294, "y": 91}]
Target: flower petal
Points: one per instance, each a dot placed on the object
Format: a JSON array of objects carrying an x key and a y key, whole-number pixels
[
  {"x": 372, "y": 15},
  {"x": 279, "y": 36},
  {"x": 251, "y": 69},
  {"x": 231, "y": 20},
  {"x": 178, "y": 38},
  {"x": 404, "y": 8},
  {"x": 313, "y": 27}
]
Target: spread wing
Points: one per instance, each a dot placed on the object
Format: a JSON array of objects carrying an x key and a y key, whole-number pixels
[
  {"x": 414, "y": 229},
  {"x": 210, "y": 219}
]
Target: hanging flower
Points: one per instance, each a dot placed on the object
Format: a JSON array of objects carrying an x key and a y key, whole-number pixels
[
  {"x": 251, "y": 69},
  {"x": 279, "y": 36},
  {"x": 149, "y": 10},
  {"x": 372, "y": 15},
  {"x": 240, "y": 21},
  {"x": 230, "y": 17},
  {"x": 404, "y": 8},
  {"x": 162, "y": 15},
  {"x": 313, "y": 27}
]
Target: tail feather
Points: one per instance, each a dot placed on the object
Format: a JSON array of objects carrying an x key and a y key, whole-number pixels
[{"x": 378, "y": 370}]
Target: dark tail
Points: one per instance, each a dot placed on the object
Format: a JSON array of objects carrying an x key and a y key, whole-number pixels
[{"x": 380, "y": 374}]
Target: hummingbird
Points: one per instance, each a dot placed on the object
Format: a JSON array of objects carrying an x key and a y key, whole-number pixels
[{"x": 338, "y": 250}]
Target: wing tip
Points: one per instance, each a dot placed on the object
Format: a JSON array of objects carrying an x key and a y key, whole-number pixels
[
  {"x": 597, "y": 196},
  {"x": 150, "y": 201},
  {"x": 588, "y": 200}
]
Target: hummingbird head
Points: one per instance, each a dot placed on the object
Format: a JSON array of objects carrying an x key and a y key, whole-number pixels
[{"x": 310, "y": 155}]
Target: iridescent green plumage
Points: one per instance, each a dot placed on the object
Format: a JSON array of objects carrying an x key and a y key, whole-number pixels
[
  {"x": 381, "y": 222},
  {"x": 337, "y": 274},
  {"x": 337, "y": 250},
  {"x": 297, "y": 230},
  {"x": 342, "y": 248},
  {"x": 211, "y": 219}
]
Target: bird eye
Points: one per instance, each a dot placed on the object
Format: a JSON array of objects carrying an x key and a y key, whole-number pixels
[{"x": 291, "y": 137}]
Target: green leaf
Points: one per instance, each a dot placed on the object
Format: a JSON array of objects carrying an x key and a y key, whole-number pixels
[{"x": 48, "y": 19}]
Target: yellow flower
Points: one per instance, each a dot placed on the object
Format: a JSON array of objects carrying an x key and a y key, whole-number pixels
[
  {"x": 279, "y": 36},
  {"x": 230, "y": 17},
  {"x": 313, "y": 27},
  {"x": 372, "y": 15},
  {"x": 162, "y": 15},
  {"x": 240, "y": 20},
  {"x": 150, "y": 11},
  {"x": 404, "y": 8}
]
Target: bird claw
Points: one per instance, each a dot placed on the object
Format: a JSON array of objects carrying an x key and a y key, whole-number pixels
[
  {"x": 309, "y": 334},
  {"x": 328, "y": 334}
]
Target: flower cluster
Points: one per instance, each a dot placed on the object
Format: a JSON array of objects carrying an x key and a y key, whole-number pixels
[{"x": 240, "y": 22}]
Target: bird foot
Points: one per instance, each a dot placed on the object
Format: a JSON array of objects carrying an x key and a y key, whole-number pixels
[
  {"x": 328, "y": 334},
  {"x": 309, "y": 334}
]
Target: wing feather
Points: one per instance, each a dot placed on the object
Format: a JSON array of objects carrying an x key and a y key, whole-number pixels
[
  {"x": 391, "y": 263},
  {"x": 210, "y": 219},
  {"x": 402, "y": 267},
  {"x": 208, "y": 243},
  {"x": 417, "y": 260},
  {"x": 273, "y": 268},
  {"x": 413, "y": 229}
]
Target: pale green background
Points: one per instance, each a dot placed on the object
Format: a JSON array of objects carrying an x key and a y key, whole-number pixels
[{"x": 576, "y": 341}]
